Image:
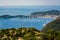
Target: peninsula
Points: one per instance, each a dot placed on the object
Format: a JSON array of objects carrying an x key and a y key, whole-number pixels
[{"x": 44, "y": 14}]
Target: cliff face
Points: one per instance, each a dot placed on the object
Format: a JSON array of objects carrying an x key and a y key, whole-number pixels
[{"x": 53, "y": 25}]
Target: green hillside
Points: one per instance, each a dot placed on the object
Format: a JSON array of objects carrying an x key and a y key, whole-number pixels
[
  {"x": 53, "y": 25},
  {"x": 52, "y": 30}
]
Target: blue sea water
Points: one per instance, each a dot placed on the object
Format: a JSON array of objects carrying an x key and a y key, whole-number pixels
[{"x": 37, "y": 23}]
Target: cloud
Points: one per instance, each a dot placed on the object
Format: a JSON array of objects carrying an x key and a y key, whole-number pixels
[{"x": 28, "y": 2}]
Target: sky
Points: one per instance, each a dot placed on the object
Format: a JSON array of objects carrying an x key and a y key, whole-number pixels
[
  {"x": 42, "y": 5},
  {"x": 29, "y": 2}
]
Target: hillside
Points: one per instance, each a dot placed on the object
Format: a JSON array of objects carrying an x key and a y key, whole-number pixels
[
  {"x": 52, "y": 25},
  {"x": 50, "y": 13}
]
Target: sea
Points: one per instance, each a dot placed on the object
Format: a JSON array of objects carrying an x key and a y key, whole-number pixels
[{"x": 37, "y": 23}]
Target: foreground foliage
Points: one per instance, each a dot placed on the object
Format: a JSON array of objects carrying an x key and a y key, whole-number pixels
[
  {"x": 22, "y": 33},
  {"x": 28, "y": 34}
]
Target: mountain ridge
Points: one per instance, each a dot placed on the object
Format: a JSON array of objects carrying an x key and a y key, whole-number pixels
[{"x": 51, "y": 13}]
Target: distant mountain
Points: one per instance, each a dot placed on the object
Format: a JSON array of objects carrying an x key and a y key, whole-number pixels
[
  {"x": 5, "y": 16},
  {"x": 39, "y": 14},
  {"x": 17, "y": 16},
  {"x": 52, "y": 13},
  {"x": 52, "y": 25}
]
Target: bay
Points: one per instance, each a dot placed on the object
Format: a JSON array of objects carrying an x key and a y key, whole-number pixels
[{"x": 37, "y": 23}]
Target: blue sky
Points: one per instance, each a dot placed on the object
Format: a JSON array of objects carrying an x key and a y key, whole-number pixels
[{"x": 29, "y": 2}]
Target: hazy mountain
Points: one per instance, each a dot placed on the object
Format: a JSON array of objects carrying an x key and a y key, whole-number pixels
[
  {"x": 17, "y": 16},
  {"x": 51, "y": 12}
]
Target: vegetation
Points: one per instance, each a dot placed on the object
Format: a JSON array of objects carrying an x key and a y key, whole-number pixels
[
  {"x": 22, "y": 33},
  {"x": 53, "y": 25}
]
